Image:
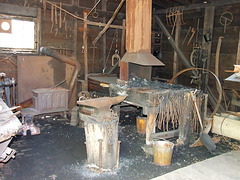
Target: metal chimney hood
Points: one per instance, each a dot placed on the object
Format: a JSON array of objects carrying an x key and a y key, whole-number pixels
[{"x": 144, "y": 59}]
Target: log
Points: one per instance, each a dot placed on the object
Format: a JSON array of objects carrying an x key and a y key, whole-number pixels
[
  {"x": 227, "y": 125},
  {"x": 108, "y": 134},
  {"x": 85, "y": 51}
]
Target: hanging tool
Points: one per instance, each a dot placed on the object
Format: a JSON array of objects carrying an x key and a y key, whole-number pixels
[
  {"x": 95, "y": 14},
  {"x": 56, "y": 18},
  {"x": 174, "y": 16},
  {"x": 60, "y": 16},
  {"x": 190, "y": 39},
  {"x": 189, "y": 29},
  {"x": 225, "y": 19},
  {"x": 110, "y": 49},
  {"x": 26, "y": 5},
  {"x": 94, "y": 7},
  {"x": 197, "y": 32},
  {"x": 93, "y": 58},
  {"x": 44, "y": 7},
  {"x": 65, "y": 25},
  {"x": 116, "y": 57},
  {"x": 52, "y": 18},
  {"x": 174, "y": 24}
]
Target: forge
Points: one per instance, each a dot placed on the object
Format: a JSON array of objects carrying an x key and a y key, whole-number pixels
[
  {"x": 167, "y": 107},
  {"x": 163, "y": 104}
]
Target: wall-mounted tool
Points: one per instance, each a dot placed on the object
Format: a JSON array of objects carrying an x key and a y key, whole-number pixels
[
  {"x": 173, "y": 16},
  {"x": 60, "y": 16},
  {"x": 189, "y": 29},
  {"x": 52, "y": 18},
  {"x": 56, "y": 18},
  {"x": 197, "y": 32},
  {"x": 190, "y": 39},
  {"x": 225, "y": 19},
  {"x": 44, "y": 7},
  {"x": 65, "y": 25},
  {"x": 196, "y": 61}
]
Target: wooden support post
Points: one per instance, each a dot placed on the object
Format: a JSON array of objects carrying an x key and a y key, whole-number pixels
[
  {"x": 207, "y": 46},
  {"x": 75, "y": 29},
  {"x": 175, "y": 58},
  {"x": 104, "y": 39},
  {"x": 39, "y": 32},
  {"x": 151, "y": 122},
  {"x": 123, "y": 38},
  {"x": 85, "y": 51},
  {"x": 109, "y": 22},
  {"x": 238, "y": 51}
]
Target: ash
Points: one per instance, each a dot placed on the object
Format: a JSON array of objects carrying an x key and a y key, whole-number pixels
[{"x": 139, "y": 82}]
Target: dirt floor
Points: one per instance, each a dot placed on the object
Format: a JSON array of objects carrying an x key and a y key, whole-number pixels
[{"x": 59, "y": 153}]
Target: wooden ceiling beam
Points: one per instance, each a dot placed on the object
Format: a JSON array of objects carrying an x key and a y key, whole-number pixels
[
  {"x": 69, "y": 7},
  {"x": 163, "y": 3},
  {"x": 201, "y": 5}
]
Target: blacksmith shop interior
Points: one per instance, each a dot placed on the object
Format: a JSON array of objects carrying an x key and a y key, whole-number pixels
[{"x": 119, "y": 89}]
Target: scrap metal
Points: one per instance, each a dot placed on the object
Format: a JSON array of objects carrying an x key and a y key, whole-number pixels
[{"x": 9, "y": 127}]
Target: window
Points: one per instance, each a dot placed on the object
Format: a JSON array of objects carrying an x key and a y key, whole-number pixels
[{"x": 18, "y": 34}]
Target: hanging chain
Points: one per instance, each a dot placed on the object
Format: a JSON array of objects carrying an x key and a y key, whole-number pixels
[
  {"x": 116, "y": 40},
  {"x": 105, "y": 66}
]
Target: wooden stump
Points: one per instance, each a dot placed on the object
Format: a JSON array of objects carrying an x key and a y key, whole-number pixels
[{"x": 102, "y": 136}]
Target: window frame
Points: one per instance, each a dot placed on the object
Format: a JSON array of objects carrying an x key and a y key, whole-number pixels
[{"x": 7, "y": 50}]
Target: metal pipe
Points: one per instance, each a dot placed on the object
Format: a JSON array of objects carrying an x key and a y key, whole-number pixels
[
  {"x": 172, "y": 42},
  {"x": 66, "y": 59}
]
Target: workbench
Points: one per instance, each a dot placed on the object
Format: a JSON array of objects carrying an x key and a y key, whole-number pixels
[{"x": 153, "y": 97}]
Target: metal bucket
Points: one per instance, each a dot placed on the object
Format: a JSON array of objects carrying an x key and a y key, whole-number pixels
[{"x": 162, "y": 152}]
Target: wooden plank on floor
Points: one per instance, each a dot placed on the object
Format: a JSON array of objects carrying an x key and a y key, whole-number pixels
[{"x": 225, "y": 166}]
